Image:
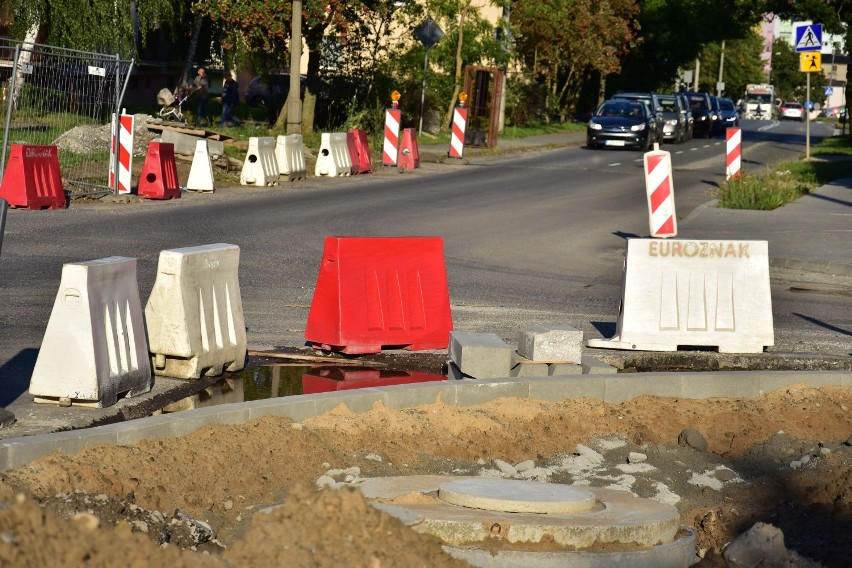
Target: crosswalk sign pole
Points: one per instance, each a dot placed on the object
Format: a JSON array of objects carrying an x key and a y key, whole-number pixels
[{"x": 808, "y": 118}]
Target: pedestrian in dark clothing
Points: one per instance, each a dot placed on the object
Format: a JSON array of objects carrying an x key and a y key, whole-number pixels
[
  {"x": 201, "y": 87},
  {"x": 230, "y": 99}
]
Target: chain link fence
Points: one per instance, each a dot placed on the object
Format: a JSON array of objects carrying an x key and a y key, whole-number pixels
[{"x": 65, "y": 98}]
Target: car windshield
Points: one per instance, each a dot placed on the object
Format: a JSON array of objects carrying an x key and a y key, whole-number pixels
[
  {"x": 759, "y": 98},
  {"x": 697, "y": 101},
  {"x": 726, "y": 104},
  {"x": 668, "y": 104},
  {"x": 623, "y": 110},
  {"x": 793, "y": 105}
]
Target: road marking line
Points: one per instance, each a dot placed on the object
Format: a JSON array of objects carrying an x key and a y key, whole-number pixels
[{"x": 615, "y": 164}]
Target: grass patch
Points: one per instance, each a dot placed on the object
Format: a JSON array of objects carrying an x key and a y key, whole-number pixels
[
  {"x": 537, "y": 130},
  {"x": 788, "y": 181}
]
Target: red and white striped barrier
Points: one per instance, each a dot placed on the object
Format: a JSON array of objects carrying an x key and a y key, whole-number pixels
[
  {"x": 125, "y": 154},
  {"x": 660, "y": 191},
  {"x": 457, "y": 138},
  {"x": 733, "y": 156},
  {"x": 390, "y": 149}
]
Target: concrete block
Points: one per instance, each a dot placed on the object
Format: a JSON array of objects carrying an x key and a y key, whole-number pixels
[
  {"x": 530, "y": 370},
  {"x": 94, "y": 348},
  {"x": 356, "y": 400},
  {"x": 195, "y": 312},
  {"x": 201, "y": 171},
  {"x": 731, "y": 384},
  {"x": 333, "y": 159},
  {"x": 290, "y": 155},
  {"x": 17, "y": 452},
  {"x": 688, "y": 292},
  {"x": 296, "y": 408},
  {"x": 470, "y": 392},
  {"x": 480, "y": 355},
  {"x": 555, "y": 389},
  {"x": 150, "y": 428},
  {"x": 260, "y": 167},
  {"x": 541, "y": 343},
  {"x": 415, "y": 394},
  {"x": 454, "y": 373},
  {"x": 564, "y": 369},
  {"x": 186, "y": 143},
  {"x": 621, "y": 388},
  {"x": 593, "y": 366}
]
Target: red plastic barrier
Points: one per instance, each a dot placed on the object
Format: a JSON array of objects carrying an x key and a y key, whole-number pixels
[
  {"x": 359, "y": 151},
  {"x": 409, "y": 154},
  {"x": 330, "y": 379},
  {"x": 32, "y": 178},
  {"x": 159, "y": 179},
  {"x": 380, "y": 291}
]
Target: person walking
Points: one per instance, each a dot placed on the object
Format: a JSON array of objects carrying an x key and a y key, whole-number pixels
[
  {"x": 201, "y": 87},
  {"x": 230, "y": 99}
]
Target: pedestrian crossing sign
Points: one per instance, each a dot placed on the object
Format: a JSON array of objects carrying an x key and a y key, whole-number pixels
[
  {"x": 809, "y": 37},
  {"x": 810, "y": 61}
]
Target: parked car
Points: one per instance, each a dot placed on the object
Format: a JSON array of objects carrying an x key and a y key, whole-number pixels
[
  {"x": 730, "y": 116},
  {"x": 792, "y": 111},
  {"x": 702, "y": 115},
  {"x": 653, "y": 102},
  {"x": 622, "y": 123},
  {"x": 675, "y": 125}
]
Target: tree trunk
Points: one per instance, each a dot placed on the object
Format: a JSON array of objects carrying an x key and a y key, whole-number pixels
[{"x": 456, "y": 87}]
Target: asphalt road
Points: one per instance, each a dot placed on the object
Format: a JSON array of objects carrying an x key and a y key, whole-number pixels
[{"x": 529, "y": 238}]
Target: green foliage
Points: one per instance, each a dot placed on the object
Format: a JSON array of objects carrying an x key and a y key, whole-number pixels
[
  {"x": 742, "y": 65},
  {"x": 789, "y": 82},
  {"x": 94, "y": 25}
]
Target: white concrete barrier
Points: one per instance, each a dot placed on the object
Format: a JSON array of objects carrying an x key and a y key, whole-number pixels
[
  {"x": 290, "y": 155},
  {"x": 260, "y": 167},
  {"x": 194, "y": 316},
  {"x": 333, "y": 159},
  {"x": 94, "y": 348},
  {"x": 694, "y": 293},
  {"x": 201, "y": 172}
]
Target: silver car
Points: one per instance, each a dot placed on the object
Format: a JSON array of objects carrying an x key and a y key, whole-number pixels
[{"x": 675, "y": 125}]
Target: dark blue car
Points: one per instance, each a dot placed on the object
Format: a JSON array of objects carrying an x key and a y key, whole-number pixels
[{"x": 621, "y": 123}]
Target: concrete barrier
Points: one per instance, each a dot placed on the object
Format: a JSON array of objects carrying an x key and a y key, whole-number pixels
[
  {"x": 195, "y": 313},
  {"x": 94, "y": 348},
  {"x": 697, "y": 293},
  {"x": 290, "y": 155},
  {"x": 201, "y": 172},
  {"x": 480, "y": 355},
  {"x": 260, "y": 167},
  {"x": 333, "y": 159}
]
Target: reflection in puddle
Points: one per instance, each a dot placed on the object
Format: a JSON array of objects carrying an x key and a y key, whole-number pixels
[{"x": 272, "y": 381}]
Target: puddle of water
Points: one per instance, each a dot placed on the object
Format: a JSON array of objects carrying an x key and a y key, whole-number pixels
[{"x": 273, "y": 381}]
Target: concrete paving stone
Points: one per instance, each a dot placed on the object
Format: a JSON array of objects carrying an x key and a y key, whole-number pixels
[
  {"x": 150, "y": 428},
  {"x": 454, "y": 373},
  {"x": 16, "y": 452},
  {"x": 564, "y": 369},
  {"x": 357, "y": 401},
  {"x": 415, "y": 394},
  {"x": 541, "y": 343},
  {"x": 296, "y": 408},
  {"x": 624, "y": 387},
  {"x": 473, "y": 391},
  {"x": 771, "y": 381},
  {"x": 529, "y": 370},
  {"x": 555, "y": 389},
  {"x": 594, "y": 366},
  {"x": 734, "y": 384},
  {"x": 192, "y": 420},
  {"x": 480, "y": 355}
]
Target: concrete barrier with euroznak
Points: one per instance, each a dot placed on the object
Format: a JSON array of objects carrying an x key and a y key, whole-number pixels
[
  {"x": 290, "y": 155},
  {"x": 333, "y": 159},
  {"x": 712, "y": 293},
  {"x": 194, "y": 316},
  {"x": 94, "y": 349},
  {"x": 380, "y": 291},
  {"x": 260, "y": 167},
  {"x": 32, "y": 178}
]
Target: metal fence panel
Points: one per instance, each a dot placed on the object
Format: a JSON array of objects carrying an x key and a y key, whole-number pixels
[{"x": 63, "y": 98}]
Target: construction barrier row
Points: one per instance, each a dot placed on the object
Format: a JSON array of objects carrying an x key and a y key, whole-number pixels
[{"x": 97, "y": 346}]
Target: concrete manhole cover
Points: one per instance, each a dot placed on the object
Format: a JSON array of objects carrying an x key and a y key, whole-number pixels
[{"x": 516, "y": 496}]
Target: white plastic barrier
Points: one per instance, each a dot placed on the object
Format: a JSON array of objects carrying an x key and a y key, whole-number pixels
[
  {"x": 201, "y": 172},
  {"x": 333, "y": 159},
  {"x": 694, "y": 293},
  {"x": 260, "y": 167},
  {"x": 290, "y": 155},
  {"x": 194, "y": 316},
  {"x": 94, "y": 349}
]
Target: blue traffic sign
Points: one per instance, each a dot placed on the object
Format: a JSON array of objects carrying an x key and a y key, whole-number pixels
[
  {"x": 828, "y": 91},
  {"x": 809, "y": 37}
]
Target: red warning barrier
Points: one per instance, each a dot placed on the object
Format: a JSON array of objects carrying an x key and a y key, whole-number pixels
[
  {"x": 32, "y": 178},
  {"x": 159, "y": 178},
  {"x": 660, "y": 192},
  {"x": 330, "y": 379},
  {"x": 359, "y": 151},
  {"x": 733, "y": 151},
  {"x": 409, "y": 155},
  {"x": 380, "y": 291}
]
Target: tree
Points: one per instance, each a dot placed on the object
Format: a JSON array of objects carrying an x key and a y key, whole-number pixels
[
  {"x": 564, "y": 41},
  {"x": 789, "y": 82},
  {"x": 742, "y": 65},
  {"x": 108, "y": 26}
]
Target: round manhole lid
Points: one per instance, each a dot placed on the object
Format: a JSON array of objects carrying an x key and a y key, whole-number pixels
[{"x": 516, "y": 496}]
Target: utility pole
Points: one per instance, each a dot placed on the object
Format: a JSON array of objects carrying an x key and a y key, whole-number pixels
[
  {"x": 294, "y": 97},
  {"x": 719, "y": 83},
  {"x": 695, "y": 79}
]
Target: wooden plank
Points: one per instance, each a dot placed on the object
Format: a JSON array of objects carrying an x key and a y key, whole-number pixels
[{"x": 311, "y": 358}]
